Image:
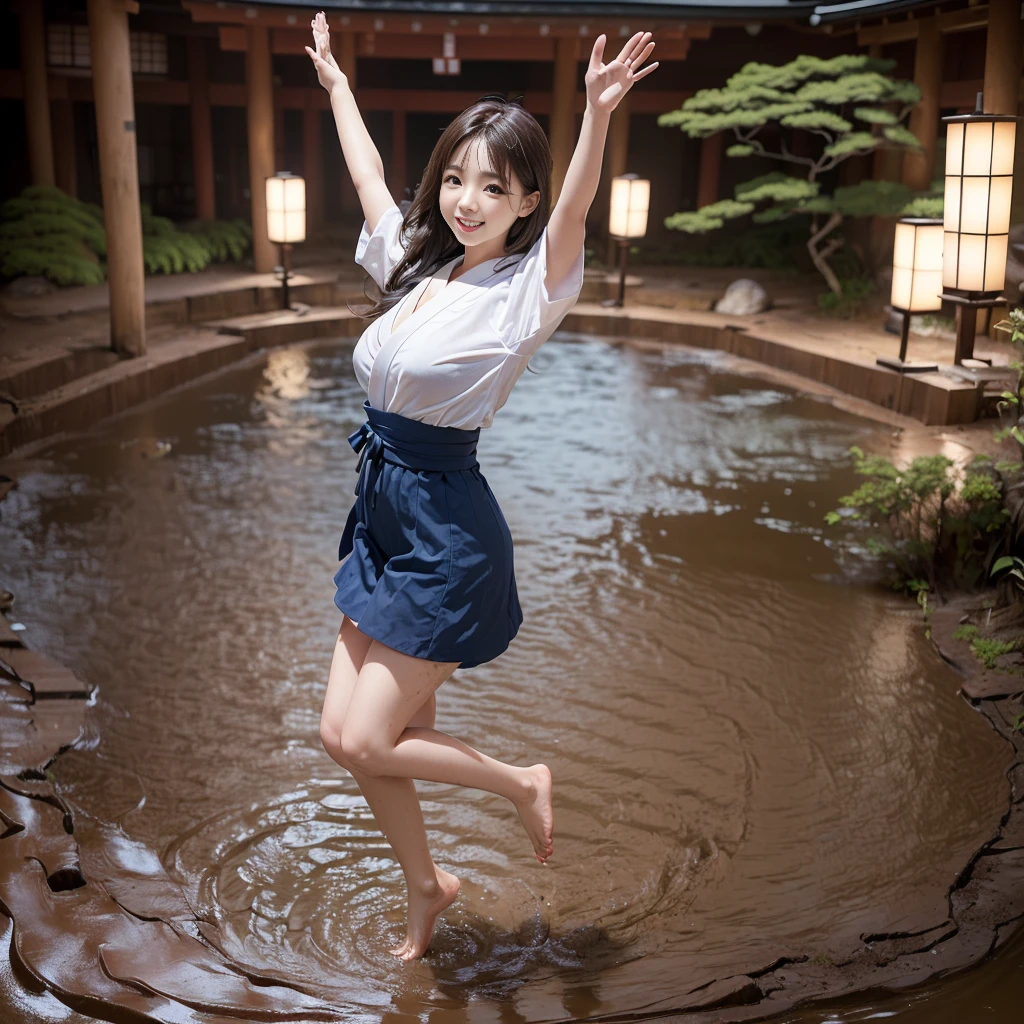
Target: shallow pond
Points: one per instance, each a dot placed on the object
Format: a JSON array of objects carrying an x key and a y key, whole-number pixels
[{"x": 756, "y": 752}]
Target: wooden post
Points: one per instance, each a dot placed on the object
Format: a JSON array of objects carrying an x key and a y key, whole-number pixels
[
  {"x": 710, "y": 169},
  {"x": 32, "y": 25},
  {"x": 617, "y": 150},
  {"x": 1000, "y": 96},
  {"x": 64, "y": 159},
  {"x": 260, "y": 121},
  {"x": 202, "y": 133},
  {"x": 918, "y": 167},
  {"x": 313, "y": 162},
  {"x": 562, "y": 124},
  {"x": 119, "y": 172},
  {"x": 398, "y": 157}
]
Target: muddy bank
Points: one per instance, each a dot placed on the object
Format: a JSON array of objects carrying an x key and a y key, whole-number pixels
[{"x": 681, "y": 805}]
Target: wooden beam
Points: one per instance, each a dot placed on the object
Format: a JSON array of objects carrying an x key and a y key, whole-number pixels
[
  {"x": 962, "y": 20},
  {"x": 424, "y": 46},
  {"x": 535, "y": 26}
]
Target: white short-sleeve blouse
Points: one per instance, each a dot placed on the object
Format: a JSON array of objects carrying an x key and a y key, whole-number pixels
[{"x": 453, "y": 361}]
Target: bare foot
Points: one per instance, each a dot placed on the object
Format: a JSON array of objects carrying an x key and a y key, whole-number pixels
[
  {"x": 536, "y": 812},
  {"x": 424, "y": 910}
]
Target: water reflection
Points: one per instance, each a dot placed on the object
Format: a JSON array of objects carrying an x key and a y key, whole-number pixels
[{"x": 754, "y": 754}]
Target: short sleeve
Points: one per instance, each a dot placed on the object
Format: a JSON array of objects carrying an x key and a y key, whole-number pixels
[
  {"x": 532, "y": 313},
  {"x": 379, "y": 253}
]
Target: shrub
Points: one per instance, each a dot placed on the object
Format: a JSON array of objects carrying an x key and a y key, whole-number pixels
[
  {"x": 923, "y": 522},
  {"x": 46, "y": 232}
]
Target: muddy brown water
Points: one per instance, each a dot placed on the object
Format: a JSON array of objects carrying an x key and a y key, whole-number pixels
[{"x": 756, "y": 751}]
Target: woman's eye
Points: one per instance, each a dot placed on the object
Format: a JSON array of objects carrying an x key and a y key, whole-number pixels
[
  {"x": 497, "y": 191},
  {"x": 450, "y": 177}
]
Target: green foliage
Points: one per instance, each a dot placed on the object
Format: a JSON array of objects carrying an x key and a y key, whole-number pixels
[
  {"x": 875, "y": 115},
  {"x": 924, "y": 206},
  {"x": 987, "y": 650},
  {"x": 707, "y": 218},
  {"x": 965, "y": 631},
  {"x": 45, "y": 232},
  {"x": 770, "y": 247},
  {"x": 817, "y": 119},
  {"x": 782, "y": 188},
  {"x": 740, "y": 149},
  {"x": 855, "y": 292},
  {"x": 871, "y": 199},
  {"x": 924, "y": 521},
  {"x": 854, "y": 142}
]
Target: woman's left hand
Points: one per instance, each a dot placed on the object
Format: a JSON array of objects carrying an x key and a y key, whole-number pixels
[{"x": 608, "y": 83}]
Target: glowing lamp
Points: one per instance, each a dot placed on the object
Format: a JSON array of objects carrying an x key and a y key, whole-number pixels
[
  {"x": 916, "y": 280},
  {"x": 631, "y": 197},
  {"x": 976, "y": 216},
  {"x": 627, "y": 219},
  {"x": 286, "y": 220},
  {"x": 286, "y": 208}
]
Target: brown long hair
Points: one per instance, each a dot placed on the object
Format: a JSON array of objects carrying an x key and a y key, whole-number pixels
[{"x": 514, "y": 142}]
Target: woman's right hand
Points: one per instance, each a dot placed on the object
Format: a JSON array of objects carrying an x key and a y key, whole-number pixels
[{"x": 327, "y": 71}]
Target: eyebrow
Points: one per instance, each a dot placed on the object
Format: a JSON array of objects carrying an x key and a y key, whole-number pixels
[{"x": 460, "y": 168}]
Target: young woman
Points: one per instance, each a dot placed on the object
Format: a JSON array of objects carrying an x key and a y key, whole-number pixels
[{"x": 475, "y": 276}]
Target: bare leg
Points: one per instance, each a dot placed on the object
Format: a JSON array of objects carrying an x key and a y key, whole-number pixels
[
  {"x": 377, "y": 738},
  {"x": 393, "y": 800}
]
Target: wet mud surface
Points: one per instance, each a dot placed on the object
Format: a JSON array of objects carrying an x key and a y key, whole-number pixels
[{"x": 768, "y": 786}]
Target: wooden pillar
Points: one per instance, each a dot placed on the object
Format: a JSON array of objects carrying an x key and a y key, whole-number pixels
[
  {"x": 119, "y": 173},
  {"x": 398, "y": 157},
  {"x": 202, "y": 131},
  {"x": 32, "y": 26},
  {"x": 616, "y": 161},
  {"x": 64, "y": 159},
  {"x": 918, "y": 167},
  {"x": 562, "y": 124},
  {"x": 280, "y": 152},
  {"x": 313, "y": 161},
  {"x": 886, "y": 165},
  {"x": 1002, "y": 57},
  {"x": 260, "y": 122},
  {"x": 710, "y": 169},
  {"x": 345, "y": 54}
]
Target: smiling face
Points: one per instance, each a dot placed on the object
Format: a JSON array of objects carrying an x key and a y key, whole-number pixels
[{"x": 477, "y": 205}]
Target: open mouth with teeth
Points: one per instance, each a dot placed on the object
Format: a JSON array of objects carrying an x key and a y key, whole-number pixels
[{"x": 468, "y": 225}]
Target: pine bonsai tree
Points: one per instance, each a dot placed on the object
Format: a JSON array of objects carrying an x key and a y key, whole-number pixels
[{"x": 849, "y": 103}]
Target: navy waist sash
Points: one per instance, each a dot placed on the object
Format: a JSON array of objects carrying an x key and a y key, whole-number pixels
[{"x": 413, "y": 444}]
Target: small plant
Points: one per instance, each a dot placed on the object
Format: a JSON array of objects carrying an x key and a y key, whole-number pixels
[
  {"x": 922, "y": 524},
  {"x": 987, "y": 650},
  {"x": 965, "y": 631}
]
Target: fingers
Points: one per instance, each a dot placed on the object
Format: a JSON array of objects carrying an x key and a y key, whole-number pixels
[
  {"x": 646, "y": 71},
  {"x": 311, "y": 53},
  {"x": 597, "y": 53},
  {"x": 630, "y": 46},
  {"x": 640, "y": 49}
]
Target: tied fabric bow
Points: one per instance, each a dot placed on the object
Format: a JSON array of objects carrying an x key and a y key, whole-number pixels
[{"x": 371, "y": 449}]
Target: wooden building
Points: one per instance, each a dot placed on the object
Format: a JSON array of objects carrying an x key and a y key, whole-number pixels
[{"x": 207, "y": 97}]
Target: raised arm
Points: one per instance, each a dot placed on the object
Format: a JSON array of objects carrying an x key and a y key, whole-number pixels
[
  {"x": 606, "y": 85},
  {"x": 361, "y": 156}
]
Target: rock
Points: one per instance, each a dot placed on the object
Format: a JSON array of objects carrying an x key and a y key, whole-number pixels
[
  {"x": 29, "y": 287},
  {"x": 742, "y": 298}
]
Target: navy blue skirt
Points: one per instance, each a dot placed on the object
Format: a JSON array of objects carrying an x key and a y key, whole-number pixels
[{"x": 427, "y": 564}]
